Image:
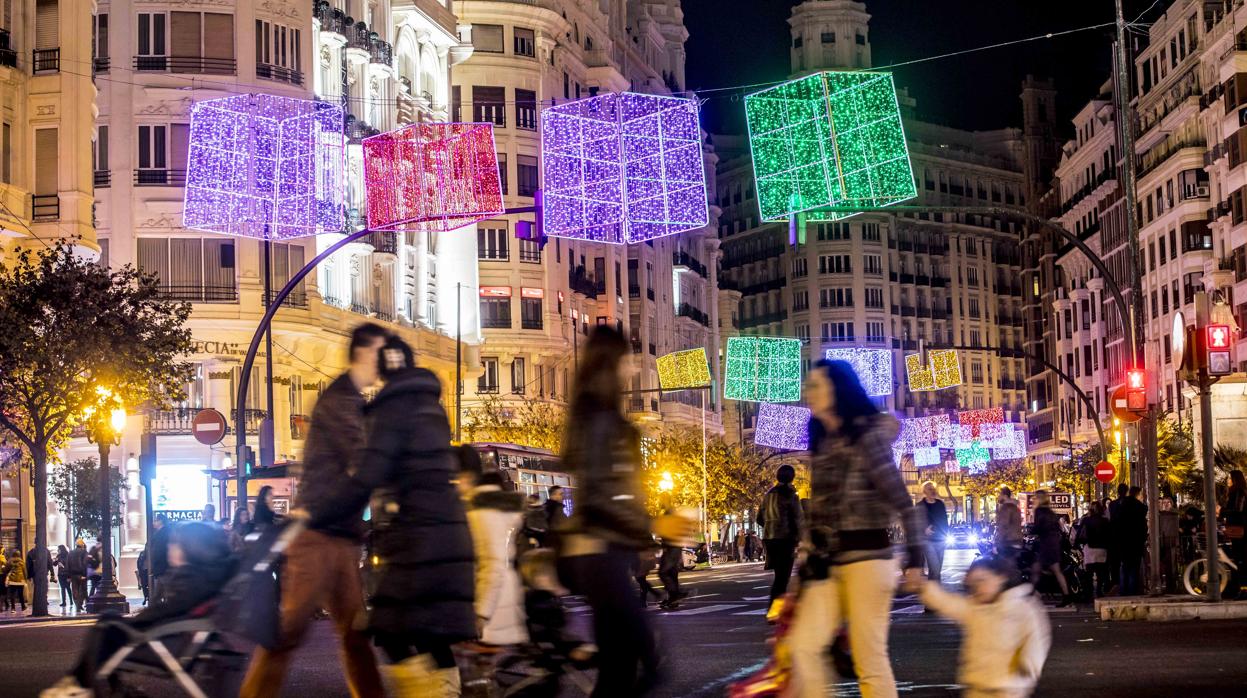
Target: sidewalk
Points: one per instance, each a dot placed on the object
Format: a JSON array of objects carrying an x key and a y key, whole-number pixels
[
  {"x": 1168, "y": 608},
  {"x": 56, "y": 612}
]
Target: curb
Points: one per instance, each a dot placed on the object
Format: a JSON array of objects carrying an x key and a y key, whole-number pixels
[{"x": 1168, "y": 609}]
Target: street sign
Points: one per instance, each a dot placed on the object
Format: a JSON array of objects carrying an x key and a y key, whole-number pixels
[
  {"x": 1105, "y": 471},
  {"x": 1120, "y": 407},
  {"x": 208, "y": 427}
]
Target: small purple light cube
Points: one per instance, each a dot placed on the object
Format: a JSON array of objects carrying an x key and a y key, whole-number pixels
[
  {"x": 623, "y": 168},
  {"x": 786, "y": 427},
  {"x": 266, "y": 167}
]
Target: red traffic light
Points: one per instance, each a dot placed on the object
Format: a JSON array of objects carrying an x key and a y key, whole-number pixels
[
  {"x": 1218, "y": 336},
  {"x": 1136, "y": 379}
]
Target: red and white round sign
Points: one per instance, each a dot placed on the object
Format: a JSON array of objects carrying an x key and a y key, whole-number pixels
[
  {"x": 208, "y": 427},
  {"x": 1105, "y": 471}
]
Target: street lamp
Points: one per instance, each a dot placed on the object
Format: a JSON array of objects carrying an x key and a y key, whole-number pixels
[{"x": 104, "y": 422}]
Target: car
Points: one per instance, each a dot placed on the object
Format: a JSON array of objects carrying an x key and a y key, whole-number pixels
[{"x": 963, "y": 538}]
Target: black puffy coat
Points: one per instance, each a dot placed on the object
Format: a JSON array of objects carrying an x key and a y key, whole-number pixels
[
  {"x": 425, "y": 579},
  {"x": 604, "y": 455}
]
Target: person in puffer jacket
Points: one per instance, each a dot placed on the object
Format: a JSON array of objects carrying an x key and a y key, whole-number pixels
[
  {"x": 849, "y": 575},
  {"x": 495, "y": 518}
]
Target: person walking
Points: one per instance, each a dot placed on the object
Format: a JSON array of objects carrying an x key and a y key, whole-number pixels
[
  {"x": 15, "y": 581},
  {"x": 239, "y": 528},
  {"x": 1093, "y": 537},
  {"x": 536, "y": 524},
  {"x": 321, "y": 569},
  {"x": 158, "y": 556},
  {"x": 264, "y": 514},
  {"x": 1234, "y": 515},
  {"x": 94, "y": 563},
  {"x": 936, "y": 530},
  {"x": 62, "y": 575},
  {"x": 780, "y": 519},
  {"x": 1048, "y": 537},
  {"x": 495, "y": 517},
  {"x": 740, "y": 545},
  {"x": 850, "y": 571},
  {"x": 1129, "y": 527},
  {"x": 600, "y": 542},
  {"x": 669, "y": 562},
  {"x": 77, "y": 569},
  {"x": 423, "y": 601},
  {"x": 1008, "y": 535}
]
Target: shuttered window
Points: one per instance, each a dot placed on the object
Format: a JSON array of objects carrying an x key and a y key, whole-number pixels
[
  {"x": 47, "y": 13},
  {"x": 218, "y": 46},
  {"x": 154, "y": 258},
  {"x": 46, "y": 160},
  {"x": 179, "y": 143},
  {"x": 151, "y": 34},
  {"x": 101, "y": 149},
  {"x": 99, "y": 37},
  {"x": 191, "y": 269},
  {"x": 185, "y": 264}
]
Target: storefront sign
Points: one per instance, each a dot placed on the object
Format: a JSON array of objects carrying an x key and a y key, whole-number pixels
[
  {"x": 200, "y": 346},
  {"x": 532, "y": 293},
  {"x": 178, "y": 515},
  {"x": 495, "y": 291}
]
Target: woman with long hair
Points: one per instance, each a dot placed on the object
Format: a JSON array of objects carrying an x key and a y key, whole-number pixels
[
  {"x": 609, "y": 526},
  {"x": 1234, "y": 513},
  {"x": 850, "y": 573},
  {"x": 264, "y": 514},
  {"x": 1048, "y": 536}
]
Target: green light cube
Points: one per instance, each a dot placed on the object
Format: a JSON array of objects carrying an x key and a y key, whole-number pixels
[
  {"x": 763, "y": 369},
  {"x": 828, "y": 140}
]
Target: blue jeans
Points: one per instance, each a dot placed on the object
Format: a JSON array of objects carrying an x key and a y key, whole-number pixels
[{"x": 1130, "y": 568}]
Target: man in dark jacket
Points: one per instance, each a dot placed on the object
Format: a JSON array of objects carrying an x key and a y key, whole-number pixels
[
  {"x": 1129, "y": 526},
  {"x": 780, "y": 519},
  {"x": 158, "y": 556},
  {"x": 76, "y": 567},
  {"x": 556, "y": 515},
  {"x": 322, "y": 564}
]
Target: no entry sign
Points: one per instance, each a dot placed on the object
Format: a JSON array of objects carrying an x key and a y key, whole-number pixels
[
  {"x": 208, "y": 427},
  {"x": 1105, "y": 471}
]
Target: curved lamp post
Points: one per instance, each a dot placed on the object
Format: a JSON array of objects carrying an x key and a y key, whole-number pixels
[{"x": 105, "y": 421}]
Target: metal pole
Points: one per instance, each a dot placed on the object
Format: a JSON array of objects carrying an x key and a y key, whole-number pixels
[
  {"x": 459, "y": 362},
  {"x": 106, "y": 596},
  {"x": 1210, "y": 492},
  {"x": 705, "y": 479}
]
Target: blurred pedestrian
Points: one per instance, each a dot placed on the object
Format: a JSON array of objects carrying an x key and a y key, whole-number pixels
[
  {"x": 15, "y": 581},
  {"x": 1129, "y": 527},
  {"x": 780, "y": 519},
  {"x": 239, "y": 528},
  {"x": 321, "y": 569},
  {"x": 140, "y": 573},
  {"x": 536, "y": 521},
  {"x": 1093, "y": 539},
  {"x": 646, "y": 563},
  {"x": 936, "y": 530},
  {"x": 208, "y": 515},
  {"x": 495, "y": 518},
  {"x": 158, "y": 555},
  {"x": 609, "y": 526},
  {"x": 669, "y": 563},
  {"x": 1005, "y": 631},
  {"x": 62, "y": 576},
  {"x": 740, "y": 544},
  {"x": 423, "y": 601},
  {"x": 1048, "y": 538},
  {"x": 1234, "y": 515},
  {"x": 1008, "y": 535},
  {"x": 850, "y": 570},
  {"x": 77, "y": 568},
  {"x": 264, "y": 514}
]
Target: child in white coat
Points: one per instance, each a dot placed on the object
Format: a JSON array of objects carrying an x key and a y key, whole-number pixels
[{"x": 1005, "y": 631}]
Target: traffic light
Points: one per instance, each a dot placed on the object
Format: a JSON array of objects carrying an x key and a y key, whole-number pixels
[
  {"x": 1217, "y": 342},
  {"x": 147, "y": 458},
  {"x": 1136, "y": 390},
  {"x": 248, "y": 463}
]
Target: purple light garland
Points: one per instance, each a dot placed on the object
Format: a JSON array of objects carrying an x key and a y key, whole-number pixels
[
  {"x": 266, "y": 167},
  {"x": 623, "y": 168}
]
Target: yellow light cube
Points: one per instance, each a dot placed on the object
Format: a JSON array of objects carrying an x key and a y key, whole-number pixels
[{"x": 683, "y": 369}]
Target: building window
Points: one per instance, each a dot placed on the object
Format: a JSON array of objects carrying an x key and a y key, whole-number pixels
[
  {"x": 972, "y": 277},
  {"x": 835, "y": 264},
  {"x": 873, "y": 264},
  {"x": 99, "y": 157},
  {"x": 829, "y": 37},
  {"x": 874, "y": 332},
  {"x": 489, "y": 105},
  {"x": 99, "y": 42},
  {"x": 278, "y": 52},
  {"x": 526, "y": 110},
  {"x": 530, "y": 314},
  {"x": 6, "y": 153},
  {"x": 502, "y": 173},
  {"x": 204, "y": 41},
  {"x": 527, "y": 174},
  {"x": 799, "y": 268},
  {"x": 525, "y": 42},
  {"x": 487, "y": 38},
  {"x": 874, "y": 298},
  {"x": 800, "y": 300},
  {"x": 835, "y": 297},
  {"x": 191, "y": 269},
  {"x": 162, "y": 155},
  {"x": 491, "y": 241},
  {"x": 456, "y": 104},
  {"x": 530, "y": 251},
  {"x": 837, "y": 331},
  {"x": 496, "y": 313},
  {"x": 974, "y": 308},
  {"x": 870, "y": 232},
  {"x": 488, "y": 382},
  {"x": 517, "y": 376}
]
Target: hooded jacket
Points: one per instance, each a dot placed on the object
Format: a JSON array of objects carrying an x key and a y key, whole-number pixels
[
  {"x": 856, "y": 493},
  {"x": 1004, "y": 643},
  {"x": 780, "y": 513},
  {"x": 424, "y": 583},
  {"x": 495, "y": 518}
]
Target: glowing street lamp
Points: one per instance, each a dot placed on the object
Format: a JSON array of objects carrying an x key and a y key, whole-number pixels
[
  {"x": 666, "y": 483},
  {"x": 104, "y": 422}
]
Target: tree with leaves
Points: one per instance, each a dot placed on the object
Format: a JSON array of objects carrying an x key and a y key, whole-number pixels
[
  {"x": 75, "y": 487},
  {"x": 71, "y": 325},
  {"x": 521, "y": 421},
  {"x": 1178, "y": 471},
  {"x": 1014, "y": 474}
]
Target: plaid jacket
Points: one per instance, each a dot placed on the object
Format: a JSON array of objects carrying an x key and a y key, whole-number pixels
[{"x": 857, "y": 492}]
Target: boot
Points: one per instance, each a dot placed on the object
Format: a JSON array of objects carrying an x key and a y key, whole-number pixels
[{"x": 419, "y": 677}]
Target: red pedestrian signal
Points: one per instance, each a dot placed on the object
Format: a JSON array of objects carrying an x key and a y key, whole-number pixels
[
  {"x": 1136, "y": 390},
  {"x": 1218, "y": 336},
  {"x": 1217, "y": 340}
]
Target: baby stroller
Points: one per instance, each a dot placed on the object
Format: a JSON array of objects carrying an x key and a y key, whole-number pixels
[
  {"x": 199, "y": 652},
  {"x": 537, "y": 668}
]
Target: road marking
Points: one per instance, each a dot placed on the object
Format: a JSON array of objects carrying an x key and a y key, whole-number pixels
[
  {"x": 756, "y": 612},
  {"x": 756, "y": 598},
  {"x": 908, "y": 610},
  {"x": 702, "y": 596},
  {"x": 706, "y": 609},
  {"x": 764, "y": 586},
  {"x": 67, "y": 623}
]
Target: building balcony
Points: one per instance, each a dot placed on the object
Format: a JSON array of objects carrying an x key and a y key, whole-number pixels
[
  {"x": 185, "y": 64},
  {"x": 380, "y": 52},
  {"x": 358, "y": 43},
  {"x": 767, "y": 319},
  {"x": 278, "y": 73},
  {"x": 45, "y": 60},
  {"x": 684, "y": 259},
  {"x": 100, "y": 64},
  {"x": 159, "y": 177},
  {"x": 764, "y": 286},
  {"x": 1161, "y": 153},
  {"x": 199, "y": 294},
  {"x": 7, "y": 55},
  {"x": 332, "y": 20},
  {"x": 297, "y": 298},
  {"x": 696, "y": 314},
  {"x": 531, "y": 324},
  {"x": 496, "y": 323},
  {"x": 45, "y": 207},
  {"x": 582, "y": 283},
  {"x": 102, "y": 179},
  {"x": 179, "y": 421},
  {"x": 300, "y": 424},
  {"x": 380, "y": 313},
  {"x": 357, "y": 130},
  {"x": 384, "y": 242}
]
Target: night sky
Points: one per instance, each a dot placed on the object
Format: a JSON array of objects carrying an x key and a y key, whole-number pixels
[{"x": 735, "y": 42}]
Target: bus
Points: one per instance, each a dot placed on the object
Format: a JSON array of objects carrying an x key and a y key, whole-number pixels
[{"x": 533, "y": 470}]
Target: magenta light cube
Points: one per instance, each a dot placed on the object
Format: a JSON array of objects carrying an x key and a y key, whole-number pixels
[
  {"x": 266, "y": 167},
  {"x": 432, "y": 177},
  {"x": 623, "y": 168}
]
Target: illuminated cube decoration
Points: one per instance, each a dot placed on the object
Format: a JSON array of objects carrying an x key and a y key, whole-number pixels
[
  {"x": 944, "y": 371},
  {"x": 974, "y": 457},
  {"x": 975, "y": 419},
  {"x": 1012, "y": 447},
  {"x": 265, "y": 167},
  {"x": 926, "y": 456},
  {"x": 920, "y": 376},
  {"x": 763, "y": 369},
  {"x": 828, "y": 140},
  {"x": 683, "y": 369},
  {"x": 920, "y": 432},
  {"x": 872, "y": 366},
  {"x": 432, "y": 177},
  {"x": 786, "y": 427},
  {"x": 954, "y": 436},
  {"x": 623, "y": 168},
  {"x": 996, "y": 435}
]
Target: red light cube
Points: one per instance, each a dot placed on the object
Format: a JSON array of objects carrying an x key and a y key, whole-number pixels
[{"x": 432, "y": 177}]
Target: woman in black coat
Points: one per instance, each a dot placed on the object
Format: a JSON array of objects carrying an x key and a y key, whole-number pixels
[
  {"x": 424, "y": 588},
  {"x": 1048, "y": 537}
]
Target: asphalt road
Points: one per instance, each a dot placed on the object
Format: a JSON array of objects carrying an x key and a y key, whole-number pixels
[{"x": 719, "y": 635}]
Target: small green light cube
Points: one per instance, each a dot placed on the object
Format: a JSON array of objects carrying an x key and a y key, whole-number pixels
[
  {"x": 763, "y": 369},
  {"x": 827, "y": 141}
]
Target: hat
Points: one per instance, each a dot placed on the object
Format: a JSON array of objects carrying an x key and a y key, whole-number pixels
[{"x": 80, "y": 543}]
